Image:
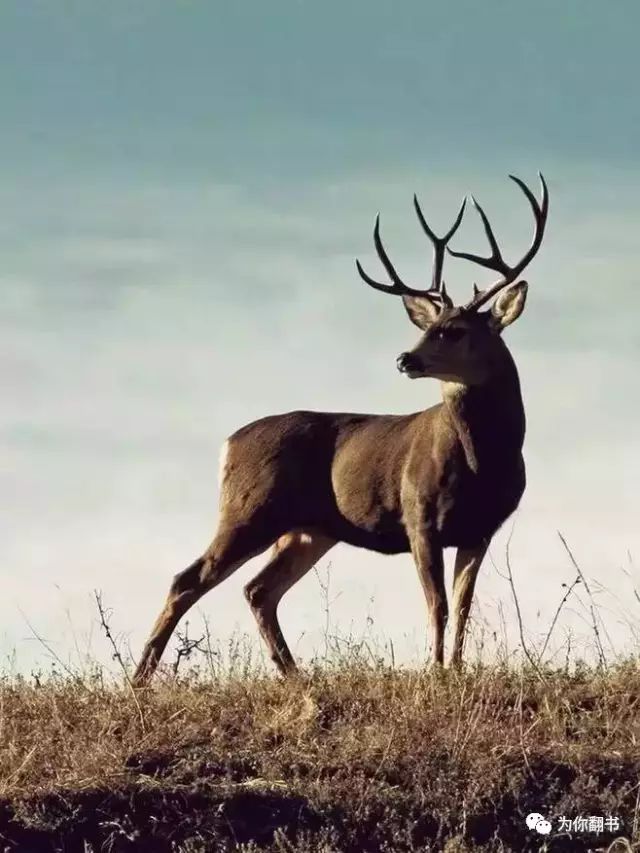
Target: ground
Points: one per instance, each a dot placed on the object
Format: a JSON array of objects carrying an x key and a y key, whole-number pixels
[{"x": 353, "y": 756}]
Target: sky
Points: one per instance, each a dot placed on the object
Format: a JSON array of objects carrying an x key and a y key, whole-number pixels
[{"x": 184, "y": 187}]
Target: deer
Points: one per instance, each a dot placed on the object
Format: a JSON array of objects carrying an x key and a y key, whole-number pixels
[{"x": 445, "y": 477}]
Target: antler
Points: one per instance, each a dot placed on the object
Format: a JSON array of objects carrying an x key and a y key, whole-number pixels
[
  {"x": 495, "y": 261},
  {"x": 398, "y": 287}
]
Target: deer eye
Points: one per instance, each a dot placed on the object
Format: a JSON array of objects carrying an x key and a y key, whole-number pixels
[{"x": 451, "y": 333}]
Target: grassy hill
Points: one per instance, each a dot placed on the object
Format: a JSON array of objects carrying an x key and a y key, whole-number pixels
[{"x": 348, "y": 757}]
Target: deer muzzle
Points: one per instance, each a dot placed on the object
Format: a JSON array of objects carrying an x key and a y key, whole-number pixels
[{"x": 409, "y": 363}]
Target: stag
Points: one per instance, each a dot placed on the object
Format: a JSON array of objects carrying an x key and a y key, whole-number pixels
[{"x": 445, "y": 477}]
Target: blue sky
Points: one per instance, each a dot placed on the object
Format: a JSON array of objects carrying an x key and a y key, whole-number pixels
[{"x": 185, "y": 186}]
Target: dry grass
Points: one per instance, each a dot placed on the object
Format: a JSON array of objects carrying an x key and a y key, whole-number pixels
[{"x": 354, "y": 756}]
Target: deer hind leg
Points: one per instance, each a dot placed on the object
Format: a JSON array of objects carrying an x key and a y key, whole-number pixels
[
  {"x": 467, "y": 565},
  {"x": 293, "y": 555},
  {"x": 231, "y": 547}
]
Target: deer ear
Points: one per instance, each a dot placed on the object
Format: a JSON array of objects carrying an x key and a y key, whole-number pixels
[
  {"x": 509, "y": 305},
  {"x": 422, "y": 310}
]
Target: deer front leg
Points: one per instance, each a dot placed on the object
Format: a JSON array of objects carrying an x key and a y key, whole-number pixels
[
  {"x": 468, "y": 561},
  {"x": 427, "y": 555}
]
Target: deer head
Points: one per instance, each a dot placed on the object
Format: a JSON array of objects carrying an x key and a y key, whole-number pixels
[{"x": 460, "y": 343}]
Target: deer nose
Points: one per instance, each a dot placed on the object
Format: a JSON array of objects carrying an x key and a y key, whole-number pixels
[{"x": 407, "y": 361}]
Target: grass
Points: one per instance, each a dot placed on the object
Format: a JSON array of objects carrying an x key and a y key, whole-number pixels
[{"x": 354, "y": 756}]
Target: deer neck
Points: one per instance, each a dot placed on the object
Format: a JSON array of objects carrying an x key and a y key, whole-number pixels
[{"x": 489, "y": 418}]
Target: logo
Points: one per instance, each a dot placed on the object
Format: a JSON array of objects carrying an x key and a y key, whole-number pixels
[{"x": 539, "y": 823}]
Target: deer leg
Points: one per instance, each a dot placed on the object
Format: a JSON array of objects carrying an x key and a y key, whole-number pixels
[
  {"x": 293, "y": 555},
  {"x": 430, "y": 564},
  {"x": 229, "y": 550},
  {"x": 468, "y": 561}
]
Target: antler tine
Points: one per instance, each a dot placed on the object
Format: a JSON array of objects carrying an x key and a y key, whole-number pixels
[
  {"x": 439, "y": 246},
  {"x": 495, "y": 261},
  {"x": 398, "y": 288}
]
